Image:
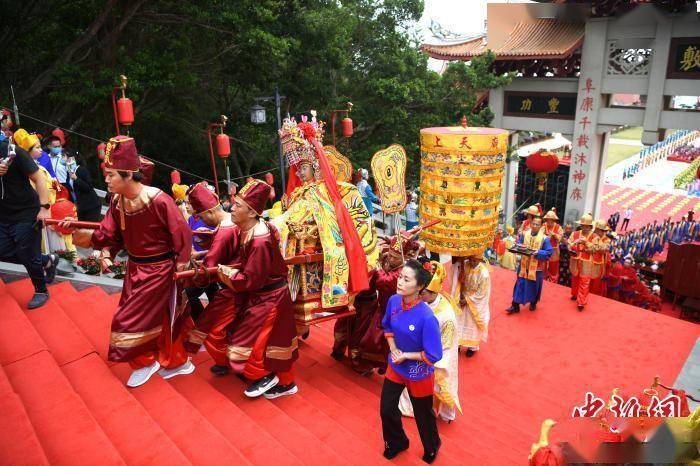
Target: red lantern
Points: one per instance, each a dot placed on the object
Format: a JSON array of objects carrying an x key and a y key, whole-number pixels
[
  {"x": 541, "y": 163},
  {"x": 58, "y": 132},
  {"x": 62, "y": 209},
  {"x": 101, "y": 150},
  {"x": 125, "y": 111},
  {"x": 223, "y": 145},
  {"x": 269, "y": 178},
  {"x": 347, "y": 127},
  {"x": 175, "y": 177}
]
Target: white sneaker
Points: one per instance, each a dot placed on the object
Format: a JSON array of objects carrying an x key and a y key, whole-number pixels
[
  {"x": 185, "y": 369},
  {"x": 141, "y": 376}
]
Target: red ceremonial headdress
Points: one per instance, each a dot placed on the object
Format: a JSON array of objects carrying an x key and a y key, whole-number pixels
[
  {"x": 121, "y": 154},
  {"x": 255, "y": 194},
  {"x": 201, "y": 198}
]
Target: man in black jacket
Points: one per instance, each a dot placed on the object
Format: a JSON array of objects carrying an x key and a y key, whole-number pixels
[{"x": 22, "y": 211}]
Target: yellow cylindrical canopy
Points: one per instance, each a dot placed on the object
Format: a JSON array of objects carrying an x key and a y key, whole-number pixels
[{"x": 460, "y": 185}]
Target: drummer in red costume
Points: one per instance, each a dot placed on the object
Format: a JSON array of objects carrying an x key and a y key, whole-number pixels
[
  {"x": 263, "y": 342},
  {"x": 148, "y": 323},
  {"x": 210, "y": 326}
]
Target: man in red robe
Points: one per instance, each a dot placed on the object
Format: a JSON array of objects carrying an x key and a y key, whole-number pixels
[
  {"x": 263, "y": 343},
  {"x": 554, "y": 232},
  {"x": 149, "y": 321},
  {"x": 210, "y": 326}
]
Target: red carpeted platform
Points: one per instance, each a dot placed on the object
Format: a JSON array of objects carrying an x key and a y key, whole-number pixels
[
  {"x": 64, "y": 404},
  {"x": 646, "y": 205}
]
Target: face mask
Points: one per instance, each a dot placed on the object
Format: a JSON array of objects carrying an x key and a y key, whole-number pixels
[{"x": 56, "y": 150}]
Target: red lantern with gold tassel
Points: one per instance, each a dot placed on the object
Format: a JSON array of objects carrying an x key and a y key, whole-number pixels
[{"x": 542, "y": 163}]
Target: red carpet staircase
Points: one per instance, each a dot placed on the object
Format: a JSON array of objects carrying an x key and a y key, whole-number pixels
[{"x": 63, "y": 403}]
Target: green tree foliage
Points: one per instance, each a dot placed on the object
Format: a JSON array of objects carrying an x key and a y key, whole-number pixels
[{"x": 189, "y": 61}]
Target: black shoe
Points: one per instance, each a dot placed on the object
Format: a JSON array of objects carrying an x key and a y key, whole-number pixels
[
  {"x": 220, "y": 370},
  {"x": 50, "y": 271},
  {"x": 580, "y": 307},
  {"x": 38, "y": 300},
  {"x": 515, "y": 308},
  {"x": 533, "y": 306},
  {"x": 391, "y": 453},
  {"x": 260, "y": 386},
  {"x": 573, "y": 298},
  {"x": 281, "y": 390},
  {"x": 381, "y": 371},
  {"x": 470, "y": 352},
  {"x": 337, "y": 355},
  {"x": 306, "y": 335},
  {"x": 429, "y": 457}
]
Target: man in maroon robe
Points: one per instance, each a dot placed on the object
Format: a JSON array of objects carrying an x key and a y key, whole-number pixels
[
  {"x": 263, "y": 342},
  {"x": 149, "y": 321},
  {"x": 210, "y": 326}
]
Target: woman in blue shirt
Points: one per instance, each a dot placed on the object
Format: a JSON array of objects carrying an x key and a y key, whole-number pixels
[{"x": 413, "y": 334}]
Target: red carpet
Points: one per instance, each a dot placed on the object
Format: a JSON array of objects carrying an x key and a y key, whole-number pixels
[
  {"x": 646, "y": 205},
  {"x": 64, "y": 405}
]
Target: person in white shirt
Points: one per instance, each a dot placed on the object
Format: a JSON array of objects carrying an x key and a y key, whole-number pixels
[{"x": 626, "y": 219}]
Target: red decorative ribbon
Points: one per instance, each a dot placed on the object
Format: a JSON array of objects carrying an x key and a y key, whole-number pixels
[{"x": 357, "y": 260}]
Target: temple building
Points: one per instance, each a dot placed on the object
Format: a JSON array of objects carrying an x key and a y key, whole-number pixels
[{"x": 584, "y": 68}]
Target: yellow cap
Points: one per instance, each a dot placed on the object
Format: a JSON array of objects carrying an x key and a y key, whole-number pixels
[
  {"x": 25, "y": 140},
  {"x": 179, "y": 191},
  {"x": 435, "y": 284}
]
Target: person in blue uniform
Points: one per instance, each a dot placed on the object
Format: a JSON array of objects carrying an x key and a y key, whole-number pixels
[
  {"x": 413, "y": 334},
  {"x": 530, "y": 271}
]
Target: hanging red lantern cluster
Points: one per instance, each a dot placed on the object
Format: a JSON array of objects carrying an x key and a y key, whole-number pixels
[{"x": 542, "y": 163}]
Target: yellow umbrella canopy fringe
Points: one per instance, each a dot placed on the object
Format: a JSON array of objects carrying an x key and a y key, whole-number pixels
[{"x": 460, "y": 183}]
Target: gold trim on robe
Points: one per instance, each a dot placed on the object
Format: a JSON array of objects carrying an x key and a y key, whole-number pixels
[
  {"x": 239, "y": 353},
  {"x": 280, "y": 352},
  {"x": 129, "y": 340}
]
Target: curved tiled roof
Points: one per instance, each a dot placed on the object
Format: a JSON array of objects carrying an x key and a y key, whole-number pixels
[{"x": 539, "y": 38}]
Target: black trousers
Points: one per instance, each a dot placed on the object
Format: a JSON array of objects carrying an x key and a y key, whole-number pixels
[
  {"x": 392, "y": 428},
  {"x": 20, "y": 243},
  {"x": 625, "y": 222},
  {"x": 193, "y": 294}
]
